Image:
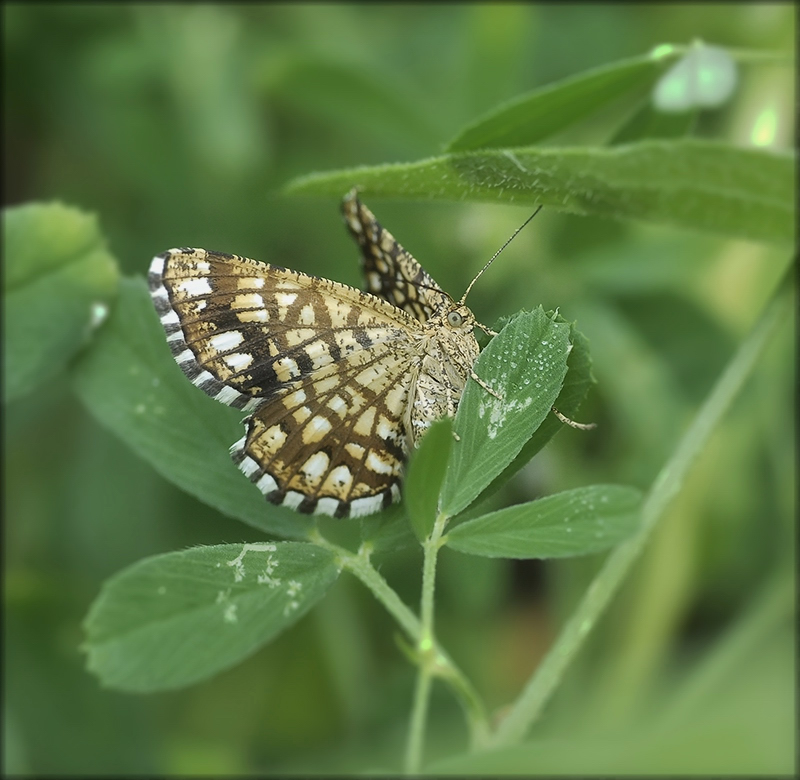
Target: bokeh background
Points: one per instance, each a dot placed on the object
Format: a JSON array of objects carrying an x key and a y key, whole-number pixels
[{"x": 178, "y": 125}]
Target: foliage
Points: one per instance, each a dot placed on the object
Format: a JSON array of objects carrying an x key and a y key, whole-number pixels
[{"x": 123, "y": 110}]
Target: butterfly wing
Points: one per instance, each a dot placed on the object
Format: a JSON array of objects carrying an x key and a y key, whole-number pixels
[
  {"x": 390, "y": 271},
  {"x": 325, "y": 369},
  {"x": 335, "y": 442}
]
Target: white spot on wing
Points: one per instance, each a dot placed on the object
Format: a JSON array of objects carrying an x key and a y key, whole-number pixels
[
  {"x": 194, "y": 287},
  {"x": 285, "y": 299},
  {"x": 293, "y": 499},
  {"x": 157, "y": 265},
  {"x": 327, "y": 506},
  {"x": 227, "y": 395},
  {"x": 223, "y": 342},
  {"x": 248, "y": 301},
  {"x": 202, "y": 378},
  {"x": 315, "y": 429},
  {"x": 267, "y": 484},
  {"x": 339, "y": 480},
  {"x": 378, "y": 465},
  {"x": 285, "y": 369},
  {"x": 365, "y": 506},
  {"x": 238, "y": 360},
  {"x": 248, "y": 466},
  {"x": 316, "y": 466}
]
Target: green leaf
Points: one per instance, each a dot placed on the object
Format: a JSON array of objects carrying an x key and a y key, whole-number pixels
[
  {"x": 58, "y": 280},
  {"x": 687, "y": 183},
  {"x": 576, "y": 385},
  {"x": 575, "y": 522},
  {"x": 132, "y": 385},
  {"x": 425, "y": 476},
  {"x": 526, "y": 364},
  {"x": 171, "y": 620},
  {"x": 543, "y": 112}
]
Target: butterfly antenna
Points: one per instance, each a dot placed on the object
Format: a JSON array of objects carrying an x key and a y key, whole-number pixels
[{"x": 494, "y": 256}]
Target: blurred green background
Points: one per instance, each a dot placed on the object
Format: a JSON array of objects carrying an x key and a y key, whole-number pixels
[{"x": 178, "y": 125}]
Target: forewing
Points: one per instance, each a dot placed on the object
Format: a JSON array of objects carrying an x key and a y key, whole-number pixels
[
  {"x": 389, "y": 270},
  {"x": 243, "y": 330}
]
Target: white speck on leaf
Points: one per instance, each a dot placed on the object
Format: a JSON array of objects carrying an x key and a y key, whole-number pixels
[
  {"x": 290, "y": 607},
  {"x": 238, "y": 562},
  {"x": 229, "y": 615},
  {"x": 265, "y": 579},
  {"x": 499, "y": 411}
]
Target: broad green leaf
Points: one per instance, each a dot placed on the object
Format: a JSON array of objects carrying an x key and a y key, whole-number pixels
[
  {"x": 543, "y": 112},
  {"x": 425, "y": 475},
  {"x": 58, "y": 280},
  {"x": 171, "y": 620},
  {"x": 576, "y": 385},
  {"x": 704, "y": 78},
  {"x": 687, "y": 183},
  {"x": 131, "y": 384},
  {"x": 526, "y": 364},
  {"x": 575, "y": 522}
]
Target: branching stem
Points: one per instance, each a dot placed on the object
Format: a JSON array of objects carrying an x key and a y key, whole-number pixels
[{"x": 441, "y": 665}]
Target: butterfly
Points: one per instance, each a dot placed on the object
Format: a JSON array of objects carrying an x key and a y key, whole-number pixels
[{"x": 340, "y": 384}]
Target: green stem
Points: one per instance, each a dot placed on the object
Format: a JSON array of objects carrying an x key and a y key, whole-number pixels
[
  {"x": 419, "y": 715},
  {"x": 426, "y": 649},
  {"x": 359, "y": 565},
  {"x": 666, "y": 485}
]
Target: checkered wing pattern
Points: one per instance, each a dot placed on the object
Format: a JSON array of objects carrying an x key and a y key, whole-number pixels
[
  {"x": 390, "y": 271},
  {"x": 324, "y": 369}
]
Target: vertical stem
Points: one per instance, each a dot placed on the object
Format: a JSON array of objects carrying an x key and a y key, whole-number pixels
[
  {"x": 419, "y": 716},
  {"x": 429, "y": 657}
]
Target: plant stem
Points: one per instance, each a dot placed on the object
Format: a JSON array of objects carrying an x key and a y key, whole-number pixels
[
  {"x": 666, "y": 485},
  {"x": 419, "y": 714},
  {"x": 426, "y": 649},
  {"x": 359, "y": 565}
]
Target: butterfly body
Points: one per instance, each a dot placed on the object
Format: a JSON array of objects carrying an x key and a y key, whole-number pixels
[{"x": 340, "y": 383}]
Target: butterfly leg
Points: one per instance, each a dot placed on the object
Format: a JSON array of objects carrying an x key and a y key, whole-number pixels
[
  {"x": 486, "y": 387},
  {"x": 487, "y": 331},
  {"x": 566, "y": 420}
]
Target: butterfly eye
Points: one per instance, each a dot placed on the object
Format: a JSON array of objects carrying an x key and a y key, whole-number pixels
[{"x": 455, "y": 319}]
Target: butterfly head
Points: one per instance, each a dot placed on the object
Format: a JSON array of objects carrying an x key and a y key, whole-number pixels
[{"x": 459, "y": 317}]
